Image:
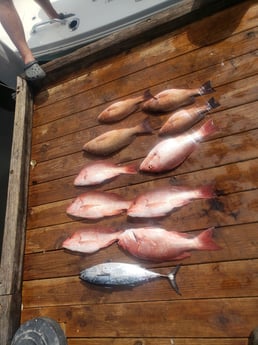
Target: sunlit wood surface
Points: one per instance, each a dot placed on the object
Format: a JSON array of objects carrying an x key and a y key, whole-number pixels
[{"x": 219, "y": 289}]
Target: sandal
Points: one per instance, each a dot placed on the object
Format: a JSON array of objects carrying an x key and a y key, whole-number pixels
[
  {"x": 33, "y": 71},
  {"x": 64, "y": 16}
]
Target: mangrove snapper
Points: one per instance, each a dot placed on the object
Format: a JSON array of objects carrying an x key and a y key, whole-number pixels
[
  {"x": 184, "y": 119},
  {"x": 122, "y": 274},
  {"x": 97, "y": 204},
  {"x": 171, "y": 152},
  {"x": 172, "y": 99},
  {"x": 116, "y": 139},
  {"x": 157, "y": 244},
  {"x": 101, "y": 171},
  {"x": 91, "y": 240},
  {"x": 119, "y": 110},
  {"x": 161, "y": 201}
]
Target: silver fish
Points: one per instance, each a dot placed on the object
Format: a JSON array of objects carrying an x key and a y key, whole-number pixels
[{"x": 122, "y": 274}]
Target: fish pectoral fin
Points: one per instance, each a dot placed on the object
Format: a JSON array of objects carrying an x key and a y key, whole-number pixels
[
  {"x": 135, "y": 236},
  {"x": 104, "y": 274},
  {"x": 153, "y": 204},
  {"x": 89, "y": 206},
  {"x": 184, "y": 255}
]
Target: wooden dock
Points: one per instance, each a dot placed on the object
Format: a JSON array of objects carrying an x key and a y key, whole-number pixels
[{"x": 219, "y": 300}]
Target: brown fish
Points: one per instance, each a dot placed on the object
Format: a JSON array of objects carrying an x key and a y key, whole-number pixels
[
  {"x": 171, "y": 152},
  {"x": 114, "y": 140},
  {"x": 184, "y": 119},
  {"x": 119, "y": 110},
  {"x": 172, "y": 99}
]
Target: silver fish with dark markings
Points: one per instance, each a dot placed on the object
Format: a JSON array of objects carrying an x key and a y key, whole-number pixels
[{"x": 123, "y": 274}]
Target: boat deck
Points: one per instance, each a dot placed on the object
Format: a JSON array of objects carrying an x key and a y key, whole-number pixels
[{"x": 219, "y": 300}]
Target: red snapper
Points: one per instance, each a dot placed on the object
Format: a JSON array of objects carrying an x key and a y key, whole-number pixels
[{"x": 171, "y": 152}]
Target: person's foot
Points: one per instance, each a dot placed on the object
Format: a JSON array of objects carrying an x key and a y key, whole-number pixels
[
  {"x": 64, "y": 16},
  {"x": 33, "y": 71}
]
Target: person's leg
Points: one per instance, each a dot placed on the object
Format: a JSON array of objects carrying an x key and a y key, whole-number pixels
[
  {"x": 50, "y": 11},
  {"x": 11, "y": 22},
  {"x": 48, "y": 8}
]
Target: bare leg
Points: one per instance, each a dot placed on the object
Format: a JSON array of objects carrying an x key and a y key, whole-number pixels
[
  {"x": 48, "y": 8},
  {"x": 12, "y": 24}
]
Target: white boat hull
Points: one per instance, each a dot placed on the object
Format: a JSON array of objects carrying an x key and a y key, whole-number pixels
[{"x": 92, "y": 20}]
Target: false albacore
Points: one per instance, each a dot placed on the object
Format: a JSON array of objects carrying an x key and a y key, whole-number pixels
[{"x": 123, "y": 274}]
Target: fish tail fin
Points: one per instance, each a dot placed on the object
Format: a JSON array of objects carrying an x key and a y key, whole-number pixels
[
  {"x": 206, "y": 241},
  {"x": 131, "y": 169},
  {"x": 207, "y": 129},
  {"x": 207, "y": 192},
  {"x": 206, "y": 88},
  {"x": 212, "y": 103},
  {"x": 145, "y": 127},
  {"x": 147, "y": 95},
  {"x": 172, "y": 279}
]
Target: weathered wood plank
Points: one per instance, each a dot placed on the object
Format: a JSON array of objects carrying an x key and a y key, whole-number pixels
[
  {"x": 88, "y": 104},
  {"x": 231, "y": 105},
  {"x": 52, "y": 191},
  {"x": 15, "y": 218},
  {"x": 215, "y": 280},
  {"x": 232, "y": 317},
  {"x": 233, "y": 120},
  {"x": 229, "y": 179},
  {"x": 9, "y": 316},
  {"x": 232, "y": 47},
  {"x": 71, "y": 163},
  {"x": 180, "y": 14},
  {"x": 238, "y": 242},
  {"x": 229, "y": 98},
  {"x": 217, "y": 212},
  {"x": 219, "y": 289},
  {"x": 174, "y": 44},
  {"x": 154, "y": 341},
  {"x": 214, "y": 153}
]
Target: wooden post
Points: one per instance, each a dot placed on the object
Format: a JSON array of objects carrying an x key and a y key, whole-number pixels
[{"x": 15, "y": 218}]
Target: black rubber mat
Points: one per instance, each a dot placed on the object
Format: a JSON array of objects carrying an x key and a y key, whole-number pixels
[{"x": 39, "y": 331}]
